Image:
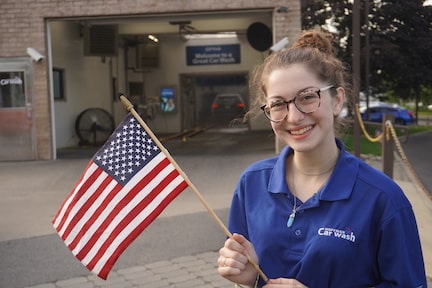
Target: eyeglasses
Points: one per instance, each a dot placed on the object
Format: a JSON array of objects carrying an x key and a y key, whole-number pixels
[{"x": 306, "y": 101}]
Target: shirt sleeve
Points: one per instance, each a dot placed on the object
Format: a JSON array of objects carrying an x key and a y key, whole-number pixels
[
  {"x": 237, "y": 219},
  {"x": 400, "y": 259}
]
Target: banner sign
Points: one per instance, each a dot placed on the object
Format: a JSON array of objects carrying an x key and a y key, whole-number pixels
[{"x": 213, "y": 54}]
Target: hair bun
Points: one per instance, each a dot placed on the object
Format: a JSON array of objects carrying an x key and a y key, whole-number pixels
[{"x": 316, "y": 39}]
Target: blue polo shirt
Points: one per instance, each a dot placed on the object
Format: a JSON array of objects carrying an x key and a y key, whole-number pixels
[{"x": 358, "y": 231}]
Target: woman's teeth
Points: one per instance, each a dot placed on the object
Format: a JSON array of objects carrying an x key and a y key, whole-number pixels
[{"x": 300, "y": 131}]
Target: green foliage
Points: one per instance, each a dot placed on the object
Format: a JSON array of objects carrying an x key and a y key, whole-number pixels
[
  {"x": 426, "y": 95},
  {"x": 400, "y": 41}
]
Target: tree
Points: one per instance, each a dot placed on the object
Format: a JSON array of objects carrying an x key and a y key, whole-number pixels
[{"x": 400, "y": 37}]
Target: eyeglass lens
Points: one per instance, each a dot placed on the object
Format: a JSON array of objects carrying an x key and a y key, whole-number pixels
[{"x": 306, "y": 102}]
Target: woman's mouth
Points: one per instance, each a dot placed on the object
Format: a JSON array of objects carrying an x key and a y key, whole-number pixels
[{"x": 301, "y": 131}]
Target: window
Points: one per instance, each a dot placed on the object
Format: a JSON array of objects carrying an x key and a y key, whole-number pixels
[
  {"x": 58, "y": 79},
  {"x": 12, "y": 92}
]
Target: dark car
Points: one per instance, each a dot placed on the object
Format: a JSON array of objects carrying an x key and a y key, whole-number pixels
[
  {"x": 402, "y": 116},
  {"x": 227, "y": 107}
]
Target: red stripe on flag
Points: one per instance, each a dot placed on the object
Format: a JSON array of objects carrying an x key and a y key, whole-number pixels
[
  {"x": 132, "y": 213},
  {"x": 75, "y": 196},
  {"x": 71, "y": 193},
  {"x": 139, "y": 229},
  {"x": 128, "y": 197},
  {"x": 85, "y": 207},
  {"x": 88, "y": 224}
]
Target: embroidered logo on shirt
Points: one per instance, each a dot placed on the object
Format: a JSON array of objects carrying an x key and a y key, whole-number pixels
[{"x": 346, "y": 234}]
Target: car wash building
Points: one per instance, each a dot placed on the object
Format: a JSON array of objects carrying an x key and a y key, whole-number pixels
[{"x": 63, "y": 65}]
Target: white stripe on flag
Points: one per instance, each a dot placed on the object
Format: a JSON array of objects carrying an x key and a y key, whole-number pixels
[
  {"x": 89, "y": 213},
  {"x": 133, "y": 224},
  {"x": 60, "y": 216},
  {"x": 110, "y": 207},
  {"x": 82, "y": 201}
]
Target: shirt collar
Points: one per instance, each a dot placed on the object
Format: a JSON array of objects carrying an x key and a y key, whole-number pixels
[{"x": 340, "y": 184}]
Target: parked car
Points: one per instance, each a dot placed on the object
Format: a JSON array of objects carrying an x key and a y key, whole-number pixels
[
  {"x": 402, "y": 116},
  {"x": 227, "y": 107}
]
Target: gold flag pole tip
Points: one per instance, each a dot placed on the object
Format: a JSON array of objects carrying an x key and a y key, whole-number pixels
[{"x": 128, "y": 105}]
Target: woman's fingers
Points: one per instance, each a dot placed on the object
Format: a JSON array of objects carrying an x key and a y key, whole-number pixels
[
  {"x": 233, "y": 260},
  {"x": 284, "y": 283}
]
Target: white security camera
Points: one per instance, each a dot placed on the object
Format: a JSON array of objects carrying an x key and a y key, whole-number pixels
[
  {"x": 35, "y": 55},
  {"x": 280, "y": 45}
]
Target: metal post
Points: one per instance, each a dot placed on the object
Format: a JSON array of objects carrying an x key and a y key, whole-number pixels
[
  {"x": 366, "y": 56},
  {"x": 387, "y": 147},
  {"x": 356, "y": 73}
]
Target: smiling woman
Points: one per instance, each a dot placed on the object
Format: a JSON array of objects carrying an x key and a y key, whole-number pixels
[{"x": 320, "y": 205}]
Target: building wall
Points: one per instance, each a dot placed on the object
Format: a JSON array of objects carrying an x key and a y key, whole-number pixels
[
  {"x": 23, "y": 24},
  {"x": 87, "y": 80}
]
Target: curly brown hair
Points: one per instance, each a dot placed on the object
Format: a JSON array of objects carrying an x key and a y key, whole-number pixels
[{"x": 313, "y": 48}]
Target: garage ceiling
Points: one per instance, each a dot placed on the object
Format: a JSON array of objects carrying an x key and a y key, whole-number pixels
[{"x": 202, "y": 23}]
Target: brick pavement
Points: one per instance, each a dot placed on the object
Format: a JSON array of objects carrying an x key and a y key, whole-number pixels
[{"x": 183, "y": 272}]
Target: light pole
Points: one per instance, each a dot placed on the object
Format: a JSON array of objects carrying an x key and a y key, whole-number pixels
[
  {"x": 366, "y": 56},
  {"x": 356, "y": 73}
]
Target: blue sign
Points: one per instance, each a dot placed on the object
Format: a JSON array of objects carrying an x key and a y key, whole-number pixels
[
  {"x": 167, "y": 102},
  {"x": 213, "y": 54}
]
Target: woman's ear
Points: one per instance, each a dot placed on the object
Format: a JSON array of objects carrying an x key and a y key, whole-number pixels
[{"x": 338, "y": 101}]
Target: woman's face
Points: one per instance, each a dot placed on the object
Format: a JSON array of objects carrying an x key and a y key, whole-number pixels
[{"x": 304, "y": 132}]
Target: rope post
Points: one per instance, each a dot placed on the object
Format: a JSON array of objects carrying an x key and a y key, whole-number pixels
[{"x": 387, "y": 146}]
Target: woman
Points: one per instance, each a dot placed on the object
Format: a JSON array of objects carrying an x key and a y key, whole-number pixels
[{"x": 316, "y": 216}]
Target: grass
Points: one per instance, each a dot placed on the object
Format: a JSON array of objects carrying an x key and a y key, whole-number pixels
[
  {"x": 366, "y": 147},
  {"x": 374, "y": 148},
  {"x": 418, "y": 129},
  {"x": 425, "y": 113}
]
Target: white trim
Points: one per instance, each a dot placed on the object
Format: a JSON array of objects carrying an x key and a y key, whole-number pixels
[{"x": 51, "y": 91}]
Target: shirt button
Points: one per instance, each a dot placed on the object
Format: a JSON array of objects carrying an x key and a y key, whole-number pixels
[{"x": 297, "y": 232}]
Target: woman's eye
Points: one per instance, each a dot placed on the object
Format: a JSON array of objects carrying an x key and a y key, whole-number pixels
[
  {"x": 277, "y": 105},
  {"x": 307, "y": 96}
]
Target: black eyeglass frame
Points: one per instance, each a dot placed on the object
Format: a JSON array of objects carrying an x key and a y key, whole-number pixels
[{"x": 318, "y": 91}]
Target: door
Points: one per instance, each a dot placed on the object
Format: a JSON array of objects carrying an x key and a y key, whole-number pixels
[{"x": 16, "y": 119}]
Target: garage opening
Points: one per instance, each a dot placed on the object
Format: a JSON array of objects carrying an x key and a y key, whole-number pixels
[{"x": 214, "y": 99}]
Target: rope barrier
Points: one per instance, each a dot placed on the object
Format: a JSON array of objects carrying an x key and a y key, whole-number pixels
[
  {"x": 365, "y": 133},
  {"x": 390, "y": 128},
  {"x": 391, "y": 132}
]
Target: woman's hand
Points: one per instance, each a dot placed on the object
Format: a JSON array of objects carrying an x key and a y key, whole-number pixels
[
  {"x": 284, "y": 283},
  {"x": 233, "y": 260}
]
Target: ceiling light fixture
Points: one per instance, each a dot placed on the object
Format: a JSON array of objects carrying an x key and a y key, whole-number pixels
[
  {"x": 153, "y": 38},
  {"x": 219, "y": 35}
]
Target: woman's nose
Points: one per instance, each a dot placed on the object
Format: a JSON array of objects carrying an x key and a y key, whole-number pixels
[{"x": 293, "y": 114}]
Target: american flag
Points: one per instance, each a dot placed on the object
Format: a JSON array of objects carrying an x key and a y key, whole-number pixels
[{"x": 125, "y": 186}]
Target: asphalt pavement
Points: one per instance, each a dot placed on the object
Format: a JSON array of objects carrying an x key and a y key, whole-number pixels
[
  {"x": 418, "y": 150},
  {"x": 179, "y": 249}
]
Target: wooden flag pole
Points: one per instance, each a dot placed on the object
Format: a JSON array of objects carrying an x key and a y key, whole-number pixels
[{"x": 131, "y": 109}]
